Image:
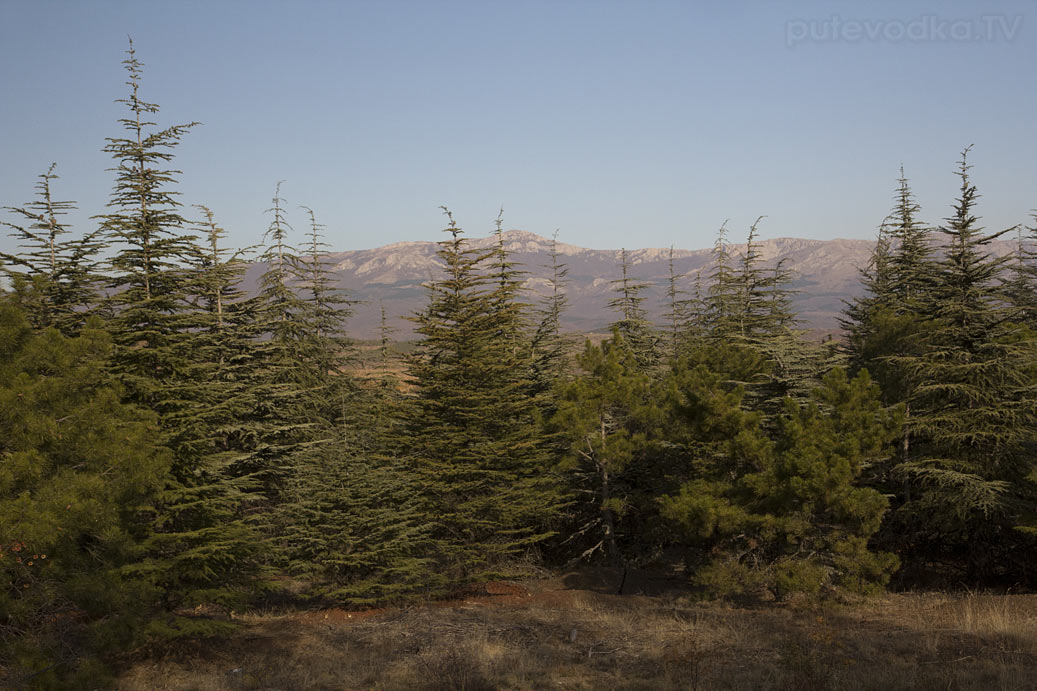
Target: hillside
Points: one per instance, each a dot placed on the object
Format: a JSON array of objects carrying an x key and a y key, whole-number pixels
[
  {"x": 825, "y": 271},
  {"x": 826, "y": 274}
]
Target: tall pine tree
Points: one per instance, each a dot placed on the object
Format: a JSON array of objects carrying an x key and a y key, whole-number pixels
[
  {"x": 472, "y": 432},
  {"x": 969, "y": 474},
  {"x": 62, "y": 271},
  {"x": 633, "y": 323}
]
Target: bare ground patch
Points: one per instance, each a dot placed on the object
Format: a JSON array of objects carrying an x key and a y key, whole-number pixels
[{"x": 555, "y": 634}]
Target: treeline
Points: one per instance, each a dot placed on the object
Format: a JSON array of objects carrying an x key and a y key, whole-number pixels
[{"x": 175, "y": 450}]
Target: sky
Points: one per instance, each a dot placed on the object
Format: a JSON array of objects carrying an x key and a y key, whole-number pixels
[{"x": 619, "y": 124}]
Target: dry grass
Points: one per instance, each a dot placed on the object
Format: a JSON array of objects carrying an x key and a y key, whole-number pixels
[{"x": 544, "y": 635}]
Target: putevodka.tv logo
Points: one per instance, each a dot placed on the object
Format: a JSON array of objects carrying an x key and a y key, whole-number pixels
[{"x": 988, "y": 28}]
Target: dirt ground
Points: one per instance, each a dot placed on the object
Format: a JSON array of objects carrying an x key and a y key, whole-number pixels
[{"x": 576, "y": 632}]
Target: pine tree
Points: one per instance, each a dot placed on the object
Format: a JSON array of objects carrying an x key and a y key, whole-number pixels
[
  {"x": 551, "y": 347},
  {"x": 607, "y": 416},
  {"x": 796, "y": 364},
  {"x": 633, "y": 323},
  {"x": 283, "y": 376},
  {"x": 889, "y": 321},
  {"x": 911, "y": 264},
  {"x": 721, "y": 302},
  {"x": 279, "y": 306},
  {"x": 859, "y": 319},
  {"x": 676, "y": 309},
  {"x": 145, "y": 224},
  {"x": 352, "y": 512},
  {"x": 189, "y": 554},
  {"x": 357, "y": 531},
  {"x": 780, "y": 512},
  {"x": 751, "y": 312},
  {"x": 885, "y": 322},
  {"x": 696, "y": 314},
  {"x": 751, "y": 324},
  {"x": 202, "y": 551},
  {"x": 63, "y": 272},
  {"x": 168, "y": 360},
  {"x": 327, "y": 312},
  {"x": 385, "y": 332},
  {"x": 969, "y": 473},
  {"x": 472, "y": 431},
  {"x": 508, "y": 310},
  {"x": 78, "y": 470},
  {"x": 1020, "y": 286}
]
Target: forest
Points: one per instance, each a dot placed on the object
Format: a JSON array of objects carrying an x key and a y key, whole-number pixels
[{"x": 176, "y": 450}]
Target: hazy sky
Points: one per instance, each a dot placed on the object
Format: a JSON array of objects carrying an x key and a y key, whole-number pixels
[{"x": 618, "y": 123}]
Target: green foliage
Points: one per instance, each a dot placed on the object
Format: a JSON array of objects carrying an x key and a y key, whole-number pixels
[
  {"x": 784, "y": 514},
  {"x": 174, "y": 356},
  {"x": 473, "y": 435},
  {"x": 78, "y": 471},
  {"x": 633, "y": 324},
  {"x": 145, "y": 226},
  {"x": 357, "y": 533},
  {"x": 967, "y": 478},
  {"x": 721, "y": 303},
  {"x": 550, "y": 346},
  {"x": 605, "y": 418},
  {"x": 888, "y": 321},
  {"x": 748, "y": 309},
  {"x": 56, "y": 282}
]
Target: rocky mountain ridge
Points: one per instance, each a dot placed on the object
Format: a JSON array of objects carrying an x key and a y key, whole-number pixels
[{"x": 826, "y": 272}]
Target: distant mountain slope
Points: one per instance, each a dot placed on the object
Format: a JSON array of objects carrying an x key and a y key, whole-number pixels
[{"x": 826, "y": 273}]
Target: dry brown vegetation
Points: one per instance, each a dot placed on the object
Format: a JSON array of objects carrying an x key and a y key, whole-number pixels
[{"x": 574, "y": 633}]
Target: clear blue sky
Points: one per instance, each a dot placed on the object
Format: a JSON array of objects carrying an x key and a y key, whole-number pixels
[{"x": 619, "y": 123}]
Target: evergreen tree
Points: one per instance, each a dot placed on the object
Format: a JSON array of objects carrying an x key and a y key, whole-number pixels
[
  {"x": 607, "y": 417},
  {"x": 911, "y": 263},
  {"x": 767, "y": 324},
  {"x": 283, "y": 376},
  {"x": 171, "y": 356},
  {"x": 890, "y": 320},
  {"x": 633, "y": 323},
  {"x": 196, "y": 551},
  {"x": 721, "y": 302},
  {"x": 795, "y": 364},
  {"x": 696, "y": 314},
  {"x": 145, "y": 224},
  {"x": 885, "y": 322},
  {"x": 472, "y": 431},
  {"x": 676, "y": 309},
  {"x": 780, "y": 512},
  {"x": 78, "y": 470},
  {"x": 749, "y": 318},
  {"x": 508, "y": 310},
  {"x": 62, "y": 272},
  {"x": 358, "y": 533},
  {"x": 1020, "y": 286},
  {"x": 352, "y": 513},
  {"x": 385, "y": 332},
  {"x": 279, "y": 307},
  {"x": 969, "y": 475},
  {"x": 752, "y": 313},
  {"x": 201, "y": 550},
  {"x": 327, "y": 311},
  {"x": 551, "y": 347},
  {"x": 860, "y": 315}
]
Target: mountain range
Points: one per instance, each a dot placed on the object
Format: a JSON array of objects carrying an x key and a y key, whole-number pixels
[{"x": 825, "y": 273}]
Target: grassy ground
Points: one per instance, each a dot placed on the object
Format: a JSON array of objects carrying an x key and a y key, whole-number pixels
[{"x": 574, "y": 633}]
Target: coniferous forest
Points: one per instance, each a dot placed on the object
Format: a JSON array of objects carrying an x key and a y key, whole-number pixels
[{"x": 176, "y": 449}]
